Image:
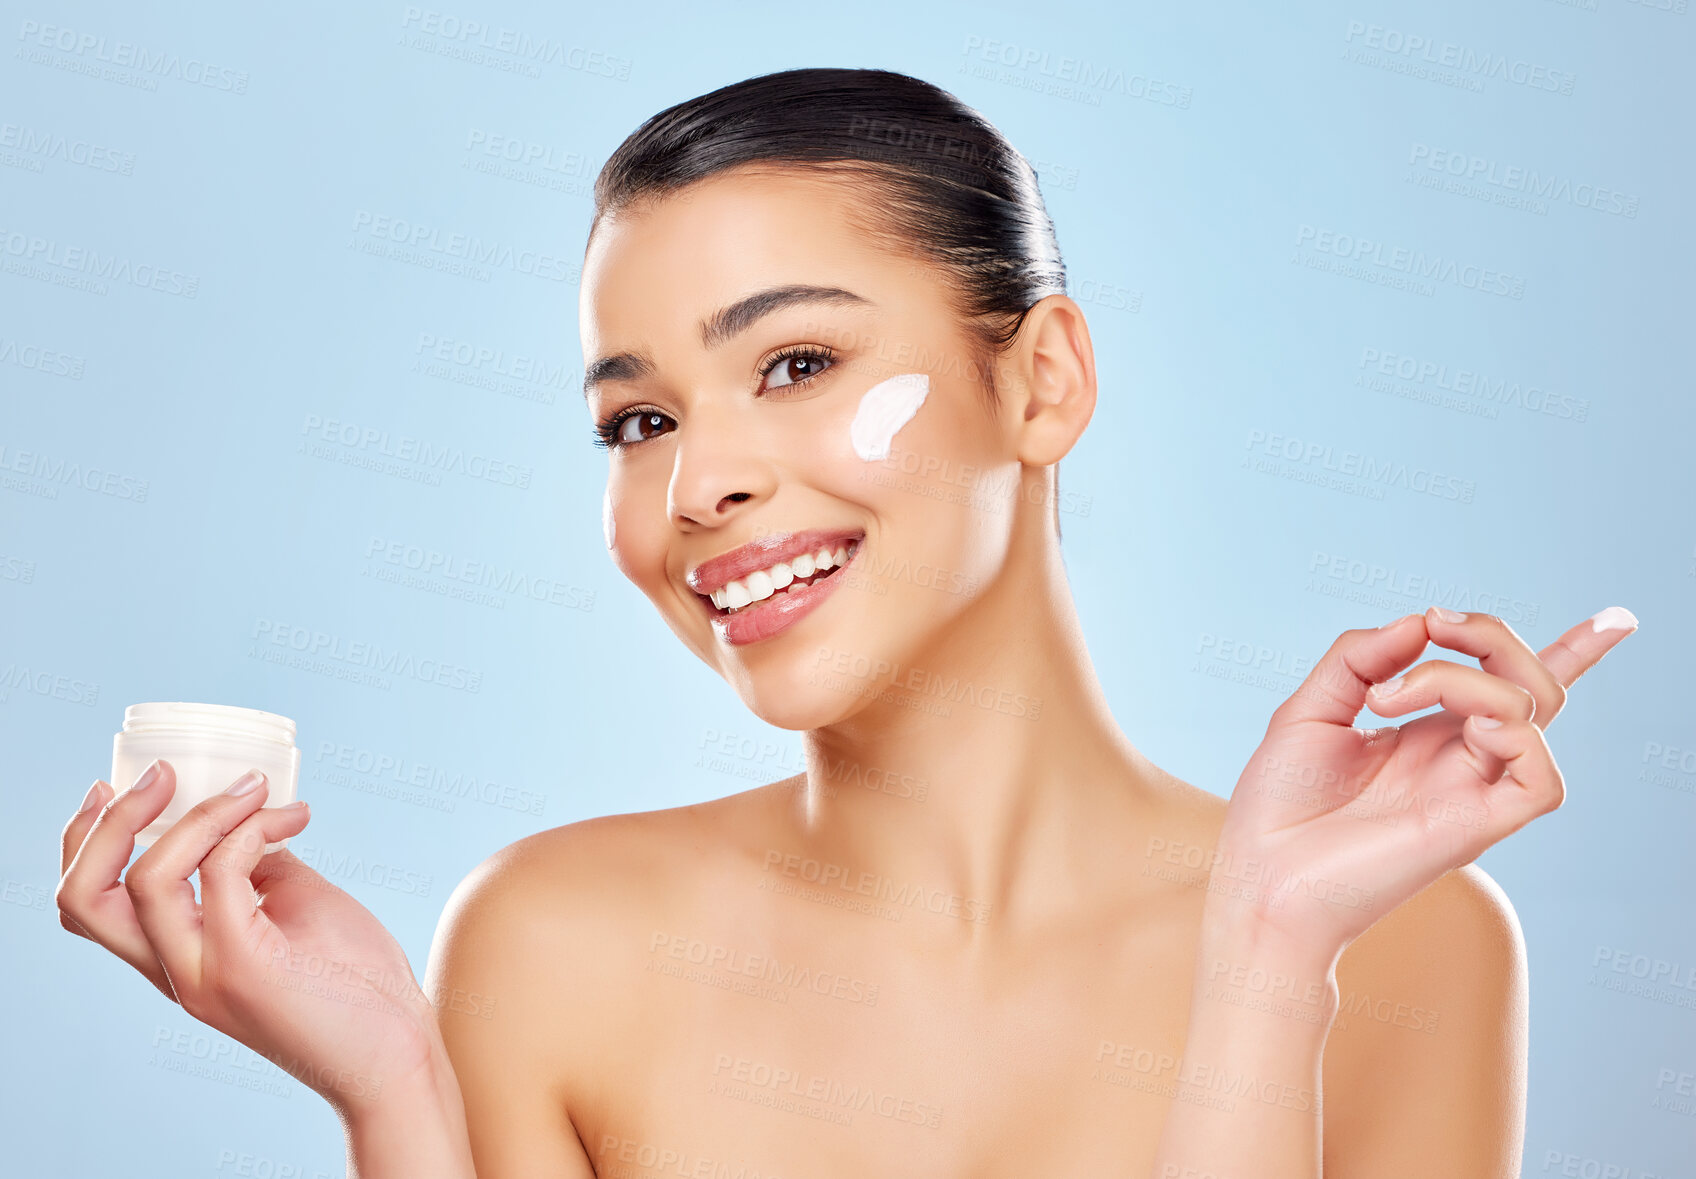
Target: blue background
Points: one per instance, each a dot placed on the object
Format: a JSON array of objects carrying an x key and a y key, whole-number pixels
[{"x": 1205, "y": 195}]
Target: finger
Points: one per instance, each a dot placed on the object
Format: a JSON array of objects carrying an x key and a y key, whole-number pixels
[
  {"x": 1582, "y": 647},
  {"x": 1532, "y": 784},
  {"x": 280, "y": 868},
  {"x": 1500, "y": 652},
  {"x": 70, "y": 842},
  {"x": 227, "y": 888},
  {"x": 90, "y": 893},
  {"x": 1457, "y": 687},
  {"x": 1335, "y": 690},
  {"x": 158, "y": 882},
  {"x": 81, "y": 823}
]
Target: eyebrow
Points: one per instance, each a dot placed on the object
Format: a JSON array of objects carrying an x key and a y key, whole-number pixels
[{"x": 722, "y": 325}]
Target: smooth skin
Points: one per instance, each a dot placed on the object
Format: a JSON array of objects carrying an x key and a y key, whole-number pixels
[{"x": 1016, "y": 970}]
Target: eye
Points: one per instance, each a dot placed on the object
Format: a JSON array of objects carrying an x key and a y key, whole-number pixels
[
  {"x": 797, "y": 365},
  {"x": 612, "y": 433}
]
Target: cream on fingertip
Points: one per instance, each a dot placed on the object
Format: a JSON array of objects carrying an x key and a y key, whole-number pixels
[{"x": 1613, "y": 618}]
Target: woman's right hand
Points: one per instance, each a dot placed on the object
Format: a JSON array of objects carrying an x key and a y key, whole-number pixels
[{"x": 273, "y": 954}]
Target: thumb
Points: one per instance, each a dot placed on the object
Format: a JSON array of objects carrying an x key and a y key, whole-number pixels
[
  {"x": 229, "y": 875},
  {"x": 279, "y": 867},
  {"x": 1334, "y": 692}
]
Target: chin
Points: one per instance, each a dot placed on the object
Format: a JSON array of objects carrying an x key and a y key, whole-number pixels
[
  {"x": 791, "y": 682},
  {"x": 833, "y": 663},
  {"x": 797, "y": 709}
]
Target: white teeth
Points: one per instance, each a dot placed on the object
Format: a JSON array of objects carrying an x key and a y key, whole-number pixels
[{"x": 763, "y": 583}]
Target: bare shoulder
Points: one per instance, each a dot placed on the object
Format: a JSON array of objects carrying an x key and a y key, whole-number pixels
[
  {"x": 563, "y": 884},
  {"x": 1456, "y": 947},
  {"x": 532, "y": 968},
  {"x": 564, "y": 911},
  {"x": 1180, "y": 810},
  {"x": 1459, "y": 927},
  {"x": 1426, "y": 1061}
]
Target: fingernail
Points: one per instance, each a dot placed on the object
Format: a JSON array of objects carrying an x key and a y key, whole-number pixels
[
  {"x": 1486, "y": 722},
  {"x": 148, "y": 776},
  {"x": 1613, "y": 618},
  {"x": 1448, "y": 615},
  {"x": 1394, "y": 622},
  {"x": 296, "y": 805},
  {"x": 1389, "y": 687},
  {"x": 88, "y": 799},
  {"x": 246, "y": 783}
]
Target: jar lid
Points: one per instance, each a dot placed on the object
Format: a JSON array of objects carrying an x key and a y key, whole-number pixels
[{"x": 179, "y": 716}]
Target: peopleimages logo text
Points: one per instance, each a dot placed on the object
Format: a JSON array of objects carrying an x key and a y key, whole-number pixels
[
  {"x": 1415, "y": 262},
  {"x": 1461, "y": 58}
]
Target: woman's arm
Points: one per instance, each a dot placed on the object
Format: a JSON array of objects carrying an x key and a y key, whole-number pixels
[
  {"x": 1331, "y": 827},
  {"x": 498, "y": 1001},
  {"x": 1422, "y": 1031},
  {"x": 1248, "y": 1101},
  {"x": 1425, "y": 1076},
  {"x": 415, "y": 1129}
]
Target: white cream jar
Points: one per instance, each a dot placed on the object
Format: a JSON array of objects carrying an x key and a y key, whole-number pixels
[{"x": 209, "y": 746}]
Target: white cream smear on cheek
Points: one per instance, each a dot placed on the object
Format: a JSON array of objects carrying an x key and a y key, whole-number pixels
[
  {"x": 609, "y": 528},
  {"x": 884, "y": 409}
]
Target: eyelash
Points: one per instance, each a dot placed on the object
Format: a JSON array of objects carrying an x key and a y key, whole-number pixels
[{"x": 606, "y": 430}]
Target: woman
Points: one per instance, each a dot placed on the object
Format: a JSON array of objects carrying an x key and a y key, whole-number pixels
[{"x": 832, "y": 360}]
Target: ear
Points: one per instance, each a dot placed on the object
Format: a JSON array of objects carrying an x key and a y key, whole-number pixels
[{"x": 1050, "y": 386}]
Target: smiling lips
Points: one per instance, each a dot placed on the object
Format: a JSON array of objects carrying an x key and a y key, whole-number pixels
[
  {"x": 771, "y": 567},
  {"x": 794, "y": 574}
]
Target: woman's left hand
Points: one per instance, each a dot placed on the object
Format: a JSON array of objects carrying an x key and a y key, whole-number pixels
[{"x": 1331, "y": 826}]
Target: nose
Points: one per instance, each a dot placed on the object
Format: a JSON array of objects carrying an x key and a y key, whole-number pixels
[{"x": 718, "y": 465}]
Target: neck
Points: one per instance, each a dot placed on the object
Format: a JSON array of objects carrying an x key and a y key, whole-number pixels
[{"x": 990, "y": 777}]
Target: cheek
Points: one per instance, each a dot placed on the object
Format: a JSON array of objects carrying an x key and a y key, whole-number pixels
[
  {"x": 883, "y": 410},
  {"x": 636, "y": 546}
]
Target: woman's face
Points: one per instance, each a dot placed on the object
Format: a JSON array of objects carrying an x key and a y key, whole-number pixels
[{"x": 715, "y": 453}]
